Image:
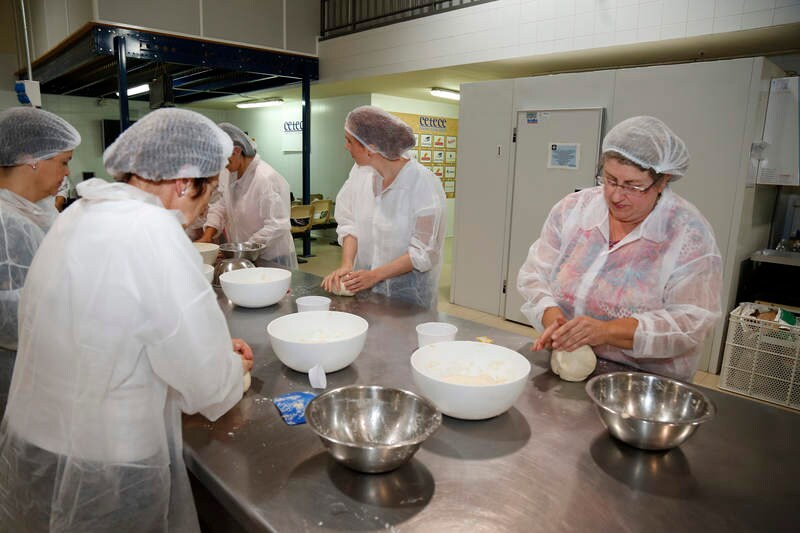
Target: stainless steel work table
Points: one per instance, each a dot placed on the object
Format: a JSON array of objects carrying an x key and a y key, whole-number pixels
[{"x": 546, "y": 465}]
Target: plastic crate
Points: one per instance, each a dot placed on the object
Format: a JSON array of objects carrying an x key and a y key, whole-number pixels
[{"x": 761, "y": 360}]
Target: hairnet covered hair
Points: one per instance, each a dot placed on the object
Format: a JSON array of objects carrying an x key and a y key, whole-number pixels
[
  {"x": 649, "y": 143},
  {"x": 28, "y": 134},
  {"x": 379, "y": 131},
  {"x": 239, "y": 138},
  {"x": 168, "y": 144}
]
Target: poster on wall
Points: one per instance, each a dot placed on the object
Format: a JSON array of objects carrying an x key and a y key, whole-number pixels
[
  {"x": 437, "y": 142},
  {"x": 564, "y": 156}
]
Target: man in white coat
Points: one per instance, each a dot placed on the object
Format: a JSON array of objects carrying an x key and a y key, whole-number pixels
[{"x": 255, "y": 203}]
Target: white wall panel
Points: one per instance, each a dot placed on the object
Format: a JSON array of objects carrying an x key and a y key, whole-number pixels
[
  {"x": 180, "y": 16},
  {"x": 485, "y": 123},
  {"x": 506, "y": 28}
]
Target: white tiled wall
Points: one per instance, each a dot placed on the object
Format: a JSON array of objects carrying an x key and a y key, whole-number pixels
[{"x": 514, "y": 28}]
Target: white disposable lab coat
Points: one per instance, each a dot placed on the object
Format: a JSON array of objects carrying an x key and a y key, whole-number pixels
[
  {"x": 256, "y": 208},
  {"x": 119, "y": 333},
  {"x": 406, "y": 217},
  {"x": 666, "y": 273},
  {"x": 22, "y": 228}
]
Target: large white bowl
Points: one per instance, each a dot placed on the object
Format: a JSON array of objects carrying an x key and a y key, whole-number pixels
[
  {"x": 329, "y": 338},
  {"x": 470, "y": 380},
  {"x": 208, "y": 250},
  {"x": 255, "y": 287}
]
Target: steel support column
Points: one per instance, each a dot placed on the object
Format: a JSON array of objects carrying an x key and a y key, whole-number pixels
[
  {"x": 307, "y": 156},
  {"x": 122, "y": 82}
]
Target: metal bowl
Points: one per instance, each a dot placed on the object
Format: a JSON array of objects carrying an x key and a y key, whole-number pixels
[
  {"x": 372, "y": 429},
  {"x": 229, "y": 265},
  {"x": 648, "y": 411},
  {"x": 247, "y": 250}
]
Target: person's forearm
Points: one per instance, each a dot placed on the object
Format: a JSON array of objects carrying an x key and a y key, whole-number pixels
[
  {"x": 349, "y": 251},
  {"x": 398, "y": 267},
  {"x": 550, "y": 315},
  {"x": 208, "y": 234},
  {"x": 620, "y": 332}
]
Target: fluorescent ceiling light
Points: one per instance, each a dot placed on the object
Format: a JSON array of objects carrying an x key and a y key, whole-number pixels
[
  {"x": 446, "y": 93},
  {"x": 139, "y": 89},
  {"x": 269, "y": 102}
]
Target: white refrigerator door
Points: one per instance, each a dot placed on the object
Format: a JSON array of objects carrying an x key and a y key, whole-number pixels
[{"x": 556, "y": 154}]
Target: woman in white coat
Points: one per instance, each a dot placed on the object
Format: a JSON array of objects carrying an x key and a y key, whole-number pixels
[
  {"x": 390, "y": 214},
  {"x": 119, "y": 333},
  {"x": 255, "y": 203},
  {"x": 35, "y": 149}
]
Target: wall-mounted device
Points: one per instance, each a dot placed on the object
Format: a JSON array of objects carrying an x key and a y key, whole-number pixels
[{"x": 28, "y": 93}]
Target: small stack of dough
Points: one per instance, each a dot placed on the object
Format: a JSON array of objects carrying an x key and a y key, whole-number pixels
[{"x": 575, "y": 365}]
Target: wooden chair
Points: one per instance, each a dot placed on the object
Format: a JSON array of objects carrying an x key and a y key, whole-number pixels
[
  {"x": 297, "y": 202},
  {"x": 322, "y": 212},
  {"x": 315, "y": 197},
  {"x": 298, "y": 215}
]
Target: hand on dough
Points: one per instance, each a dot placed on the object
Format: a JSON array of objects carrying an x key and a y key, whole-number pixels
[{"x": 579, "y": 331}]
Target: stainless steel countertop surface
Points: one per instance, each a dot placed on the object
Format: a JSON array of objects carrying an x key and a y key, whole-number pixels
[{"x": 546, "y": 465}]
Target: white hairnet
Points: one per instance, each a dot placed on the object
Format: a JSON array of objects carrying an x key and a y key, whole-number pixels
[
  {"x": 239, "y": 138},
  {"x": 168, "y": 144},
  {"x": 649, "y": 143},
  {"x": 379, "y": 131},
  {"x": 28, "y": 134}
]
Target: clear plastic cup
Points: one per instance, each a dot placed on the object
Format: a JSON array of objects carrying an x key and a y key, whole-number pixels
[
  {"x": 431, "y": 332},
  {"x": 313, "y": 303}
]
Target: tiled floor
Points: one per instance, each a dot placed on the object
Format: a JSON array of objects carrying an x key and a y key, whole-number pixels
[{"x": 327, "y": 256}]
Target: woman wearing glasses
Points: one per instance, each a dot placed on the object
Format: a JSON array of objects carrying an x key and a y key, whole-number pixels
[{"x": 629, "y": 267}]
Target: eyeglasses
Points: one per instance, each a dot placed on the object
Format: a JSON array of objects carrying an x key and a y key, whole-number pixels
[{"x": 629, "y": 190}]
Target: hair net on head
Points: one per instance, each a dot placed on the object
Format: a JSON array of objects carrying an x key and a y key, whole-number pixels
[
  {"x": 168, "y": 144},
  {"x": 239, "y": 138},
  {"x": 379, "y": 131},
  {"x": 28, "y": 134},
  {"x": 649, "y": 143}
]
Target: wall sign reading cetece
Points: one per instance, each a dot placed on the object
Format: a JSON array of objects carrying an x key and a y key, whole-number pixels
[
  {"x": 292, "y": 126},
  {"x": 436, "y": 146}
]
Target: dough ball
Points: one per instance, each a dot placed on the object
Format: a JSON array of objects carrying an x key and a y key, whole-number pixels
[
  {"x": 246, "y": 382},
  {"x": 340, "y": 290},
  {"x": 575, "y": 365}
]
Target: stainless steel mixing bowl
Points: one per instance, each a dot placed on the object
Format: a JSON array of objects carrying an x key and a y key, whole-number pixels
[
  {"x": 648, "y": 411},
  {"x": 227, "y": 265},
  {"x": 247, "y": 250},
  {"x": 372, "y": 429}
]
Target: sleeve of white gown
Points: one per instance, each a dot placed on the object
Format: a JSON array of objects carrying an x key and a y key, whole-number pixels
[
  {"x": 273, "y": 209},
  {"x": 691, "y": 299},
  {"x": 345, "y": 209},
  {"x": 18, "y": 244},
  {"x": 217, "y": 215},
  {"x": 427, "y": 235},
  {"x": 195, "y": 356},
  {"x": 532, "y": 281}
]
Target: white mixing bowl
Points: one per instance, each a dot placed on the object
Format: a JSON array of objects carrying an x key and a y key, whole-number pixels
[
  {"x": 208, "y": 250},
  {"x": 470, "y": 380},
  {"x": 255, "y": 287},
  {"x": 329, "y": 338}
]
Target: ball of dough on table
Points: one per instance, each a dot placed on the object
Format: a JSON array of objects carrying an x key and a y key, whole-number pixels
[
  {"x": 575, "y": 365},
  {"x": 340, "y": 290},
  {"x": 246, "y": 382}
]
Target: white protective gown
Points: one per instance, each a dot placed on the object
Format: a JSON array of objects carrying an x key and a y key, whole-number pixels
[
  {"x": 406, "y": 217},
  {"x": 23, "y": 225},
  {"x": 256, "y": 208},
  {"x": 119, "y": 333},
  {"x": 666, "y": 273}
]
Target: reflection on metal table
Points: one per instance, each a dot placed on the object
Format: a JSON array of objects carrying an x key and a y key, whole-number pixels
[{"x": 546, "y": 465}]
